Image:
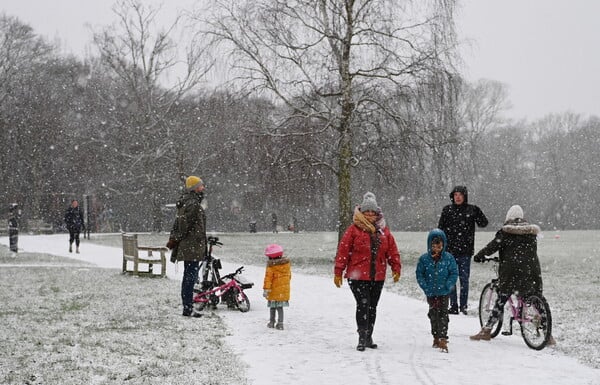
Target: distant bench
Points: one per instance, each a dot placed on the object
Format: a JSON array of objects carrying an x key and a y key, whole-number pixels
[
  {"x": 38, "y": 226},
  {"x": 131, "y": 256}
]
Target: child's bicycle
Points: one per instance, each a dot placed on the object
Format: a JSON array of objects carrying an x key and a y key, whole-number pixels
[
  {"x": 531, "y": 312},
  {"x": 230, "y": 291},
  {"x": 213, "y": 289}
]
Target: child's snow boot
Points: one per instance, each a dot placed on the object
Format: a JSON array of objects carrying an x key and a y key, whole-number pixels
[
  {"x": 279, "y": 326},
  {"x": 271, "y": 324},
  {"x": 443, "y": 345},
  {"x": 436, "y": 342}
]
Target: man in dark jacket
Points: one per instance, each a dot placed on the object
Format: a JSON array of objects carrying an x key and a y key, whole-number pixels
[
  {"x": 188, "y": 239},
  {"x": 74, "y": 222},
  {"x": 458, "y": 222}
]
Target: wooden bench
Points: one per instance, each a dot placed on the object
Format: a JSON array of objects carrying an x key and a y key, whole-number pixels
[
  {"x": 38, "y": 226},
  {"x": 131, "y": 255}
]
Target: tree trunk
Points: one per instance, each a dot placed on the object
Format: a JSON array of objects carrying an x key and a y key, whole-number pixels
[{"x": 344, "y": 183}]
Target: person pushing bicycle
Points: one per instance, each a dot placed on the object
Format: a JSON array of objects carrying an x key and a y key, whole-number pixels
[{"x": 519, "y": 266}]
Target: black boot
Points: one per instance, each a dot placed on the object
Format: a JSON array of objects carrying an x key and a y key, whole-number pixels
[
  {"x": 362, "y": 337},
  {"x": 369, "y": 340}
]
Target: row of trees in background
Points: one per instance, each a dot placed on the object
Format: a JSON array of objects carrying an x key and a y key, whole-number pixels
[{"x": 326, "y": 103}]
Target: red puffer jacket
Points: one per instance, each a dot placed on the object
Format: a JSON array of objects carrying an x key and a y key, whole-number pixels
[{"x": 354, "y": 254}]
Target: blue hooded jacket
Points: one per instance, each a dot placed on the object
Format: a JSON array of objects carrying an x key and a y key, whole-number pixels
[{"x": 436, "y": 278}]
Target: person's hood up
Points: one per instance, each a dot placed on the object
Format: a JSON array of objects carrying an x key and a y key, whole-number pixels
[
  {"x": 436, "y": 233},
  {"x": 461, "y": 189}
]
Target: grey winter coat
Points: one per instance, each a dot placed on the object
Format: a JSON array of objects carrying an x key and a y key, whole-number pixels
[
  {"x": 519, "y": 269},
  {"x": 189, "y": 229}
]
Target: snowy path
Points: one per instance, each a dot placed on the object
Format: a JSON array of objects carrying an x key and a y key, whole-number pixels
[{"x": 318, "y": 345}]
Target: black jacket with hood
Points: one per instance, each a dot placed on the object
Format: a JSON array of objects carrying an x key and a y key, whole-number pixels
[
  {"x": 519, "y": 268},
  {"x": 458, "y": 222}
]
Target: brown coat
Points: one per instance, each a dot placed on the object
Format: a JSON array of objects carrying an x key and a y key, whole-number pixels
[{"x": 189, "y": 229}]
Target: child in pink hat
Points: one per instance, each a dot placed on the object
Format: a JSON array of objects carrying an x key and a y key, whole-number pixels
[{"x": 276, "y": 286}]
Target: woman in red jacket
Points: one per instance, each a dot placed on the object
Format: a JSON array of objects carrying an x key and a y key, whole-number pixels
[{"x": 363, "y": 252}]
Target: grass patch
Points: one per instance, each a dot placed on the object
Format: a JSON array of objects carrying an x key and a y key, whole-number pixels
[{"x": 72, "y": 325}]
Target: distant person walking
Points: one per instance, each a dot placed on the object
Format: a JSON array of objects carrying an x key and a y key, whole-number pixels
[
  {"x": 13, "y": 227},
  {"x": 274, "y": 222},
  {"x": 75, "y": 224},
  {"x": 458, "y": 221},
  {"x": 365, "y": 250},
  {"x": 187, "y": 239}
]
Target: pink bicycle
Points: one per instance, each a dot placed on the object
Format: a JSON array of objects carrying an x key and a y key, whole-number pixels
[
  {"x": 531, "y": 312},
  {"x": 230, "y": 290}
]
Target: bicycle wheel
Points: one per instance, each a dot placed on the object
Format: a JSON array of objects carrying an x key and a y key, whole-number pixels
[
  {"x": 488, "y": 298},
  {"x": 241, "y": 300},
  {"x": 198, "y": 306},
  {"x": 536, "y": 324}
]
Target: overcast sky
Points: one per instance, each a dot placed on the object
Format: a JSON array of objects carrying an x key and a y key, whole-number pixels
[{"x": 546, "y": 51}]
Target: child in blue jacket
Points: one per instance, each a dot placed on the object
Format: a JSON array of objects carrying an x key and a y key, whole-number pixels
[{"x": 437, "y": 273}]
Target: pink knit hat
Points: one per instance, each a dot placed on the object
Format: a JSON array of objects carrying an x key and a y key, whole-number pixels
[{"x": 274, "y": 251}]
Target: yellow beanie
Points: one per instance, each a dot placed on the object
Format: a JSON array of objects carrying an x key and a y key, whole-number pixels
[{"x": 192, "y": 182}]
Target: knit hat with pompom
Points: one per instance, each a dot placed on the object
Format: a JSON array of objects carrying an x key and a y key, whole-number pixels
[{"x": 369, "y": 203}]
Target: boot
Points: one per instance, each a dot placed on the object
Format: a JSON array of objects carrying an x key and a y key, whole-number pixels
[
  {"x": 436, "y": 342},
  {"x": 362, "y": 337},
  {"x": 271, "y": 324},
  {"x": 369, "y": 340},
  {"x": 70, "y": 248},
  {"x": 443, "y": 345},
  {"x": 484, "y": 334},
  {"x": 279, "y": 326},
  {"x": 551, "y": 341},
  {"x": 453, "y": 310},
  {"x": 77, "y": 249}
]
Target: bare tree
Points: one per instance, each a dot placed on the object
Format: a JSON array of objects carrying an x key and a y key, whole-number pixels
[
  {"x": 330, "y": 63},
  {"x": 145, "y": 58},
  {"x": 480, "y": 110}
]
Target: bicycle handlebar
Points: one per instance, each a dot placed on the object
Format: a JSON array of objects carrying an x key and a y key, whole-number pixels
[
  {"x": 238, "y": 271},
  {"x": 214, "y": 241}
]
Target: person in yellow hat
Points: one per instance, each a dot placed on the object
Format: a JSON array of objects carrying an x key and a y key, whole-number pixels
[{"x": 187, "y": 239}]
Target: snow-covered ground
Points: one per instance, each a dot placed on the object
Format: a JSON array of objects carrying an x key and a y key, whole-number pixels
[{"x": 318, "y": 343}]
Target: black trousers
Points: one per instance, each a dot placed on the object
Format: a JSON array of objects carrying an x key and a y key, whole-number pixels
[
  {"x": 74, "y": 236},
  {"x": 366, "y": 294},
  {"x": 438, "y": 316}
]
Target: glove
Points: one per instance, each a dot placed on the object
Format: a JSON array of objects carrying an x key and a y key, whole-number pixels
[
  {"x": 337, "y": 280},
  {"x": 171, "y": 244},
  {"x": 266, "y": 293},
  {"x": 479, "y": 258},
  {"x": 396, "y": 276}
]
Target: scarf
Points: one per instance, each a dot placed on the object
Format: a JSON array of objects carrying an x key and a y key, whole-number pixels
[{"x": 363, "y": 223}]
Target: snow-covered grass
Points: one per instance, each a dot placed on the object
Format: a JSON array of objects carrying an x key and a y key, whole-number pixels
[
  {"x": 67, "y": 322},
  {"x": 70, "y": 322}
]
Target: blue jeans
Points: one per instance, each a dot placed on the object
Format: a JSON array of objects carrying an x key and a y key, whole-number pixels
[
  {"x": 464, "y": 271},
  {"x": 190, "y": 276}
]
